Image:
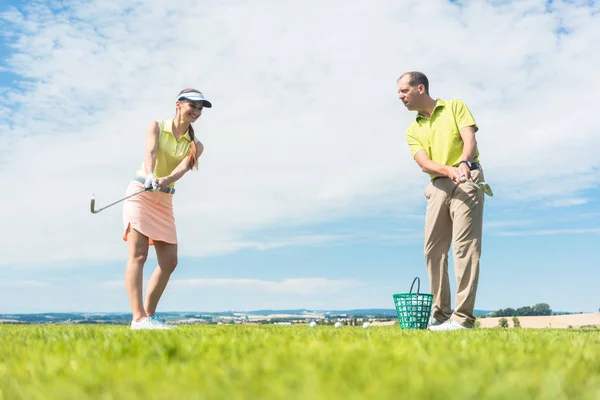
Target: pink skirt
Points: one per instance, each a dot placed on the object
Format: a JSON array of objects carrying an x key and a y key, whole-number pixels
[{"x": 150, "y": 213}]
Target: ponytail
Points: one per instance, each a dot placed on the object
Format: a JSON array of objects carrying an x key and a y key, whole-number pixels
[
  {"x": 192, "y": 160},
  {"x": 191, "y": 157}
]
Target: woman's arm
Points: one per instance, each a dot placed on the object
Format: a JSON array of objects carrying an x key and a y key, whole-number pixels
[
  {"x": 151, "y": 147},
  {"x": 181, "y": 169}
]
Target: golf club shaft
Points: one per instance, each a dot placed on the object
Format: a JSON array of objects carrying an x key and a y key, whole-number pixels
[{"x": 93, "y": 202}]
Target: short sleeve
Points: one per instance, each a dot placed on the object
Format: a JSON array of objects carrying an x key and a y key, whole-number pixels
[
  {"x": 413, "y": 143},
  {"x": 463, "y": 115}
]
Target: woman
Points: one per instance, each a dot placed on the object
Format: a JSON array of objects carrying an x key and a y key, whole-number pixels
[{"x": 172, "y": 149}]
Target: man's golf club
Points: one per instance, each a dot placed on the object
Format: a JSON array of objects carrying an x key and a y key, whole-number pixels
[
  {"x": 483, "y": 186},
  {"x": 93, "y": 201}
]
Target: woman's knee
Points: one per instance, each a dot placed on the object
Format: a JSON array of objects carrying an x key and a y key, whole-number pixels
[
  {"x": 138, "y": 247},
  {"x": 138, "y": 257},
  {"x": 167, "y": 256},
  {"x": 170, "y": 265}
]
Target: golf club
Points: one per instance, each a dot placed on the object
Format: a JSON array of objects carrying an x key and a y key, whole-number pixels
[
  {"x": 93, "y": 201},
  {"x": 483, "y": 186}
]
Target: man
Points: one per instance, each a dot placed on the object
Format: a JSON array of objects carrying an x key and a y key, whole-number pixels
[{"x": 442, "y": 142}]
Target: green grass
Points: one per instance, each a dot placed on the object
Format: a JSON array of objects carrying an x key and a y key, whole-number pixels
[{"x": 296, "y": 362}]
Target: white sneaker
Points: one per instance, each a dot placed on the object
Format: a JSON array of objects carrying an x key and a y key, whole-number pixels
[
  {"x": 434, "y": 322},
  {"x": 449, "y": 325},
  {"x": 149, "y": 323},
  {"x": 160, "y": 321}
]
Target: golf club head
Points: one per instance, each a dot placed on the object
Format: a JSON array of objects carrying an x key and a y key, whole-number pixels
[
  {"x": 92, "y": 204},
  {"x": 93, "y": 201},
  {"x": 481, "y": 185},
  {"x": 486, "y": 188}
]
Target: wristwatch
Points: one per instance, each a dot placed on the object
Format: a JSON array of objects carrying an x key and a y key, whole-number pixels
[{"x": 466, "y": 162}]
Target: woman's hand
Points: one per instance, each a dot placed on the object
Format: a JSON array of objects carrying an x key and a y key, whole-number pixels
[
  {"x": 163, "y": 182},
  {"x": 151, "y": 182}
]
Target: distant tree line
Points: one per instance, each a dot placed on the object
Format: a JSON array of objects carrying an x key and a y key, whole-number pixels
[{"x": 538, "y": 309}]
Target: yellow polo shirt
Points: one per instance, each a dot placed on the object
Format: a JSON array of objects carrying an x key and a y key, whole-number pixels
[
  {"x": 439, "y": 135},
  {"x": 170, "y": 151}
]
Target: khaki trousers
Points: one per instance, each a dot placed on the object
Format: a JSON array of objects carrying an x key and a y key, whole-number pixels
[{"x": 454, "y": 216}]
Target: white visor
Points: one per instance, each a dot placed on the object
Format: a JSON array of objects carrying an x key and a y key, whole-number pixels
[{"x": 196, "y": 97}]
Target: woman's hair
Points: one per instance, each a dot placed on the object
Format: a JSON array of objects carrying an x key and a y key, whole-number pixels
[{"x": 192, "y": 161}]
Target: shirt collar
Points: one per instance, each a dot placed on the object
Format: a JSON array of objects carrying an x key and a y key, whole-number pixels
[
  {"x": 438, "y": 104},
  {"x": 168, "y": 127}
]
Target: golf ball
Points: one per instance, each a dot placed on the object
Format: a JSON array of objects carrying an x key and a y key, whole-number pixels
[
  {"x": 366, "y": 325},
  {"x": 313, "y": 324},
  {"x": 338, "y": 324}
]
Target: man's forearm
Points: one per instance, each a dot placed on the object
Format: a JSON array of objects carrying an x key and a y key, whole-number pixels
[
  {"x": 433, "y": 168},
  {"x": 469, "y": 143},
  {"x": 469, "y": 148}
]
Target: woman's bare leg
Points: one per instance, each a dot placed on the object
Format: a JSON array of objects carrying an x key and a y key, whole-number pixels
[
  {"x": 137, "y": 245},
  {"x": 166, "y": 253}
]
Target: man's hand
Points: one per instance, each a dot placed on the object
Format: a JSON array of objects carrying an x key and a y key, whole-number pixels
[
  {"x": 464, "y": 171},
  {"x": 456, "y": 174},
  {"x": 459, "y": 174}
]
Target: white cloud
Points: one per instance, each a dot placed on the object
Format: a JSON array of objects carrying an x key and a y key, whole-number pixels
[
  {"x": 307, "y": 240},
  {"x": 288, "y": 286},
  {"x": 496, "y": 224},
  {"x": 302, "y": 286},
  {"x": 585, "y": 216},
  {"x": 567, "y": 202},
  {"x": 305, "y": 127},
  {"x": 21, "y": 283},
  {"x": 546, "y": 232},
  {"x": 362, "y": 236}
]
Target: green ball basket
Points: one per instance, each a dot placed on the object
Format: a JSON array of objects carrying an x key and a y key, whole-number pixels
[{"x": 413, "y": 309}]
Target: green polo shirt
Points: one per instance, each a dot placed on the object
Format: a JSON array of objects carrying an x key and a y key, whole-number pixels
[{"x": 439, "y": 135}]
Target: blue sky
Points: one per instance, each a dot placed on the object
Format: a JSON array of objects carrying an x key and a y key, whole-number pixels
[{"x": 306, "y": 196}]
